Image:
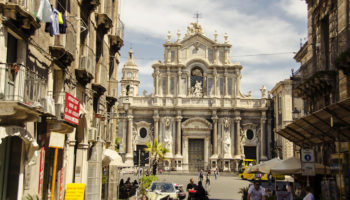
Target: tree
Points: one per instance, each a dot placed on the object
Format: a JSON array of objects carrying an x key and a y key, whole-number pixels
[
  {"x": 117, "y": 143},
  {"x": 157, "y": 152}
]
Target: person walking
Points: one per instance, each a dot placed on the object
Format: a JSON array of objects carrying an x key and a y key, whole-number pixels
[
  {"x": 256, "y": 192},
  {"x": 201, "y": 175},
  {"x": 191, "y": 186},
  {"x": 207, "y": 180},
  {"x": 309, "y": 195},
  {"x": 216, "y": 173}
]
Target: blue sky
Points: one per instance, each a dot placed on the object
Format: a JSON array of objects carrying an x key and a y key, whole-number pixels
[{"x": 254, "y": 27}]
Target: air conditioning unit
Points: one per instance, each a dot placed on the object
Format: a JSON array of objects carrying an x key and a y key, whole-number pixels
[
  {"x": 84, "y": 62},
  {"x": 48, "y": 104},
  {"x": 59, "y": 111},
  {"x": 92, "y": 136}
]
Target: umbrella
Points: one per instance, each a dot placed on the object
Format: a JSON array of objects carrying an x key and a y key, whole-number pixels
[
  {"x": 293, "y": 166},
  {"x": 264, "y": 168}
]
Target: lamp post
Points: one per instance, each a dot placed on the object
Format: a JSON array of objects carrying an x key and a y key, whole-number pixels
[{"x": 295, "y": 113}]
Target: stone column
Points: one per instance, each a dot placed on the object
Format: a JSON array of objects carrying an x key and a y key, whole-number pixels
[
  {"x": 185, "y": 152},
  {"x": 226, "y": 83},
  {"x": 168, "y": 82},
  {"x": 238, "y": 82},
  {"x": 215, "y": 77},
  {"x": 179, "y": 81},
  {"x": 156, "y": 125},
  {"x": 238, "y": 138},
  {"x": 263, "y": 139},
  {"x": 188, "y": 84},
  {"x": 215, "y": 135},
  {"x": 206, "y": 153},
  {"x": 178, "y": 136},
  {"x": 157, "y": 82},
  {"x": 129, "y": 153},
  {"x": 205, "y": 90}
]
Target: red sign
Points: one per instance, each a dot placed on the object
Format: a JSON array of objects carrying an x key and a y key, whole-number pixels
[
  {"x": 41, "y": 170},
  {"x": 61, "y": 177},
  {"x": 71, "y": 109}
]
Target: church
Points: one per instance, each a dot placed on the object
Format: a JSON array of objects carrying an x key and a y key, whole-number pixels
[{"x": 196, "y": 109}]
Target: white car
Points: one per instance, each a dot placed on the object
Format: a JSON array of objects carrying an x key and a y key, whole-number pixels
[{"x": 162, "y": 191}]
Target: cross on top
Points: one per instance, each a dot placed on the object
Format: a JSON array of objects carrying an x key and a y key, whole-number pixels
[{"x": 197, "y": 15}]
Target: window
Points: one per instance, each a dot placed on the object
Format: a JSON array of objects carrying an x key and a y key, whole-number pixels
[
  {"x": 143, "y": 132},
  {"x": 250, "y": 134}
]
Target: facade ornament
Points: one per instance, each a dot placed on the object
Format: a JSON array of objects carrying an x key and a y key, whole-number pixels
[
  {"x": 249, "y": 94},
  {"x": 263, "y": 91},
  {"x": 196, "y": 28},
  {"x": 169, "y": 36},
  {"x": 226, "y": 123},
  {"x": 215, "y": 36},
  {"x": 197, "y": 89},
  {"x": 168, "y": 139},
  {"x": 178, "y": 35},
  {"x": 226, "y": 37},
  {"x": 227, "y": 143}
]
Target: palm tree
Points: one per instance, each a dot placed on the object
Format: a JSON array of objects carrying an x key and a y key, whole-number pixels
[{"x": 157, "y": 152}]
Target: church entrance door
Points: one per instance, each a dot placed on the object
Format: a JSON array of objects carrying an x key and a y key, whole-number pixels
[{"x": 196, "y": 154}]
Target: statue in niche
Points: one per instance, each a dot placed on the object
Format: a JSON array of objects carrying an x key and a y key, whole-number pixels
[
  {"x": 168, "y": 139},
  {"x": 227, "y": 138},
  {"x": 197, "y": 89}
]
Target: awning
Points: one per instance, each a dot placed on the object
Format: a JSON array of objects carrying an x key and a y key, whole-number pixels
[
  {"x": 293, "y": 166},
  {"x": 264, "y": 167},
  {"x": 29, "y": 141},
  {"x": 316, "y": 128},
  {"x": 111, "y": 157}
]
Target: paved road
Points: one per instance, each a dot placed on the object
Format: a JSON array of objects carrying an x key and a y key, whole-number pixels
[{"x": 226, "y": 187}]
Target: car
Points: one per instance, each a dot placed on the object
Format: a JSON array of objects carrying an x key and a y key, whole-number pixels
[{"x": 162, "y": 190}]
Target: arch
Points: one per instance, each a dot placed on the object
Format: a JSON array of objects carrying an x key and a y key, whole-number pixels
[
  {"x": 197, "y": 123},
  {"x": 197, "y": 62}
]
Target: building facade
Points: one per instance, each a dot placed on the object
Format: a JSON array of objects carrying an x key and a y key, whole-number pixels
[
  {"x": 52, "y": 53},
  {"x": 323, "y": 82},
  {"x": 284, "y": 106},
  {"x": 196, "y": 109}
]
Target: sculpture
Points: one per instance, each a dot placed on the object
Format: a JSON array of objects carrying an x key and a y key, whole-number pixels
[
  {"x": 227, "y": 142},
  {"x": 197, "y": 89},
  {"x": 168, "y": 140}
]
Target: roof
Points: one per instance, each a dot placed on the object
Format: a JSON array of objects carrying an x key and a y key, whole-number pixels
[{"x": 316, "y": 128}]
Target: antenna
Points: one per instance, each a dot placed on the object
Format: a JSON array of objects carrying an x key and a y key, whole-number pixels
[{"x": 197, "y": 15}]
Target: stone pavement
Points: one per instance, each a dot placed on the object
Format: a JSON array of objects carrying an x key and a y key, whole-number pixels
[{"x": 225, "y": 187}]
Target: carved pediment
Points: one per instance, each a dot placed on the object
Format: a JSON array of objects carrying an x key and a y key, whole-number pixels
[{"x": 197, "y": 123}]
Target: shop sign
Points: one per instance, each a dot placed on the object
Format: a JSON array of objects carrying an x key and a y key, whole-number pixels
[
  {"x": 308, "y": 169},
  {"x": 75, "y": 191},
  {"x": 41, "y": 170},
  {"x": 307, "y": 155},
  {"x": 57, "y": 140},
  {"x": 71, "y": 109}
]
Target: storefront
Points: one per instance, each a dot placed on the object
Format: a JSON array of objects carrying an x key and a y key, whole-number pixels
[{"x": 327, "y": 132}]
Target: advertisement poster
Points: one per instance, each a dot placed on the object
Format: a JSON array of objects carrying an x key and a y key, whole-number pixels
[{"x": 71, "y": 109}]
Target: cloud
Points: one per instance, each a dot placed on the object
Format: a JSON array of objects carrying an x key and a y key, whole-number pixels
[
  {"x": 262, "y": 33},
  {"x": 294, "y": 8}
]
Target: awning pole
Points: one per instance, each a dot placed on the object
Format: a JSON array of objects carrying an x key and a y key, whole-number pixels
[{"x": 54, "y": 175}]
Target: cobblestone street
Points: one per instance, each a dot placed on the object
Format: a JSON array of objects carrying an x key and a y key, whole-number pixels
[{"x": 225, "y": 187}]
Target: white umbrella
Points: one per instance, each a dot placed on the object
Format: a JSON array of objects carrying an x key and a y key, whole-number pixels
[
  {"x": 264, "y": 168},
  {"x": 293, "y": 166}
]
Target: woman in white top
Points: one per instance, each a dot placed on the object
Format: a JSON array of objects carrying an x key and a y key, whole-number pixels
[{"x": 309, "y": 195}]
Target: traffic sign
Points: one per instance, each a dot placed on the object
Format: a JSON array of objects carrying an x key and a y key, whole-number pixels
[
  {"x": 307, "y": 155},
  {"x": 308, "y": 169}
]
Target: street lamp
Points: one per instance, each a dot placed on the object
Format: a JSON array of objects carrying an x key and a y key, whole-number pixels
[{"x": 295, "y": 113}]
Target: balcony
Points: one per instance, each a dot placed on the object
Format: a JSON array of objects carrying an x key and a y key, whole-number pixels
[
  {"x": 86, "y": 71},
  {"x": 116, "y": 37},
  {"x": 61, "y": 56},
  {"x": 21, "y": 91},
  {"x": 103, "y": 22},
  {"x": 19, "y": 18},
  {"x": 57, "y": 122},
  {"x": 89, "y": 5}
]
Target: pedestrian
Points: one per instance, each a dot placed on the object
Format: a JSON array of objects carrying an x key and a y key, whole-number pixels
[
  {"x": 201, "y": 193},
  {"x": 207, "y": 180},
  {"x": 127, "y": 181},
  {"x": 256, "y": 191},
  {"x": 190, "y": 187},
  {"x": 309, "y": 195},
  {"x": 270, "y": 178},
  {"x": 216, "y": 173},
  {"x": 201, "y": 176}
]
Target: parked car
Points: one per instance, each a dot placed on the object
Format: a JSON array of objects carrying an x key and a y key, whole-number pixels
[{"x": 162, "y": 190}]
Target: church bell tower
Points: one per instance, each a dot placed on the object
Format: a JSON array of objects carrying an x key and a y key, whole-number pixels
[{"x": 130, "y": 80}]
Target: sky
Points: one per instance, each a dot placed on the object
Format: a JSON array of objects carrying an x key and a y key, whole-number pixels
[{"x": 264, "y": 34}]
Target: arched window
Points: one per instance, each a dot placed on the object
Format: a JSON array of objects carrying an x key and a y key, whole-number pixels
[{"x": 196, "y": 76}]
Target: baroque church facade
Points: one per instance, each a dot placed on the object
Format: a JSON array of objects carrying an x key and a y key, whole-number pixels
[{"x": 196, "y": 109}]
